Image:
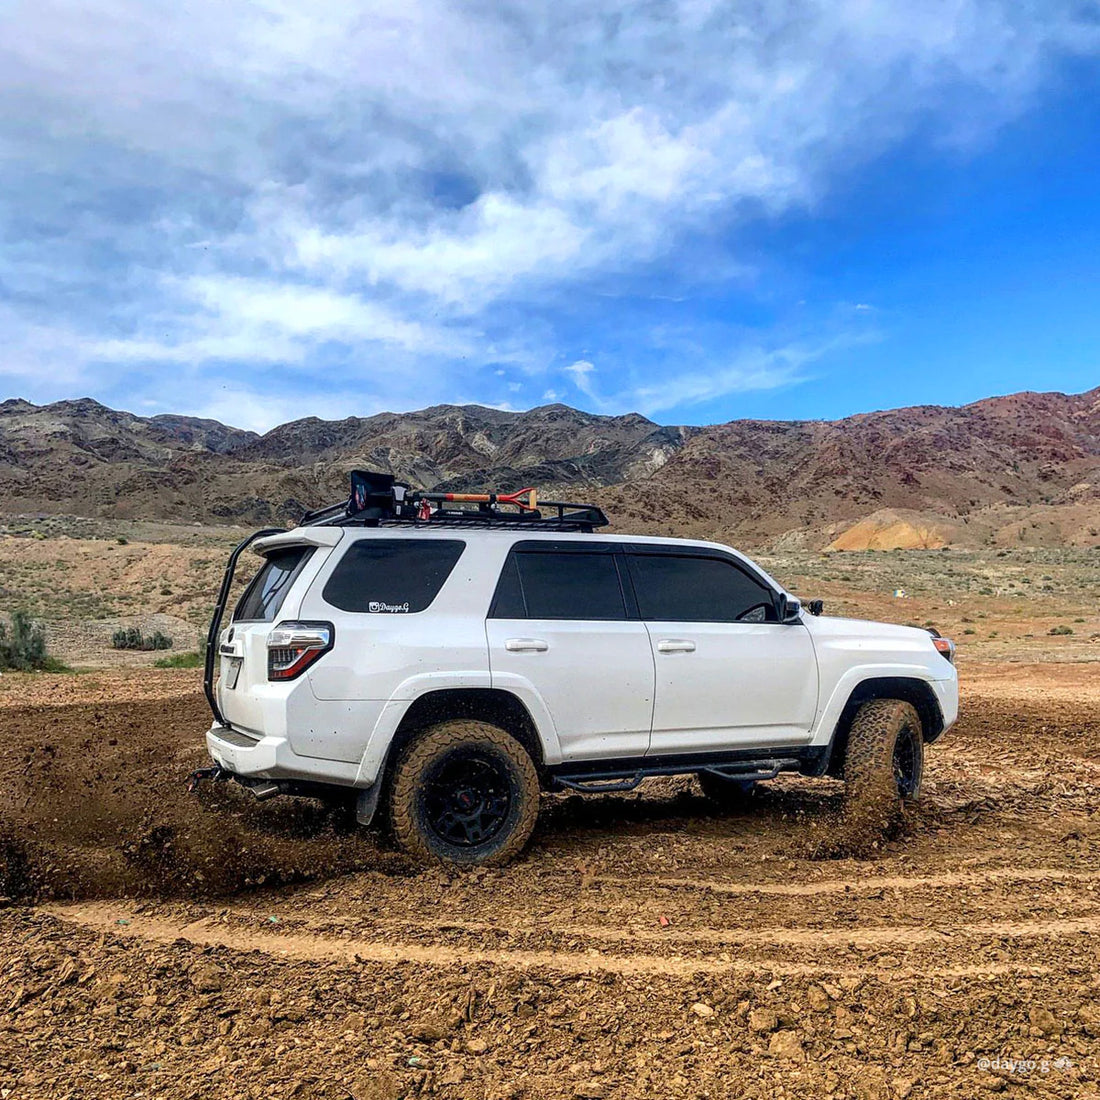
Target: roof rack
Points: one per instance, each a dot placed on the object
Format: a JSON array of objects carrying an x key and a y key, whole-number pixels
[{"x": 379, "y": 500}]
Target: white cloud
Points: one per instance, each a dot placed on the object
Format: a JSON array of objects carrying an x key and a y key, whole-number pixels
[
  {"x": 581, "y": 373},
  {"x": 263, "y": 321}
]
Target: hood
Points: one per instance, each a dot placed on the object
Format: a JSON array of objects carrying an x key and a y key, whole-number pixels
[{"x": 867, "y": 635}]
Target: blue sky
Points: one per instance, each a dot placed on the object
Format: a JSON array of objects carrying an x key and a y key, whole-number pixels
[{"x": 692, "y": 209}]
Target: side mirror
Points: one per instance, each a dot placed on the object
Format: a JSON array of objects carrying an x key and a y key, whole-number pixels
[{"x": 790, "y": 609}]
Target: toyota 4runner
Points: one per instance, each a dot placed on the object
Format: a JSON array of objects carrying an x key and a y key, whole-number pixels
[{"x": 444, "y": 664}]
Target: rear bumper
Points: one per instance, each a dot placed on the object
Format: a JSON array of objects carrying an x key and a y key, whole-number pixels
[{"x": 273, "y": 758}]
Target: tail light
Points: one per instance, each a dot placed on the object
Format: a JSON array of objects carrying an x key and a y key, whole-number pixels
[{"x": 293, "y": 647}]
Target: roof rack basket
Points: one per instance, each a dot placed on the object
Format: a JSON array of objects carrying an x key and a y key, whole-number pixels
[{"x": 380, "y": 500}]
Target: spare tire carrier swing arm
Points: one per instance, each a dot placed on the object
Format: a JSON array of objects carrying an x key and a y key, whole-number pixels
[{"x": 216, "y": 620}]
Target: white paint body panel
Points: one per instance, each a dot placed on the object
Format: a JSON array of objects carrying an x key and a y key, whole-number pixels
[
  {"x": 741, "y": 685},
  {"x": 594, "y": 678},
  {"x": 594, "y": 690}
]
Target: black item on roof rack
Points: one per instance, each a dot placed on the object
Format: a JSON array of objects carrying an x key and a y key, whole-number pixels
[{"x": 380, "y": 500}]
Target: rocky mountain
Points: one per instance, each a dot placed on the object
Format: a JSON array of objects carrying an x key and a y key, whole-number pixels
[{"x": 1022, "y": 469}]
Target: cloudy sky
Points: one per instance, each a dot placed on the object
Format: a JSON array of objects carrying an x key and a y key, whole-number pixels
[{"x": 697, "y": 210}]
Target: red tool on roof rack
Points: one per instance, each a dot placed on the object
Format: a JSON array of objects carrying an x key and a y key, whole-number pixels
[{"x": 528, "y": 505}]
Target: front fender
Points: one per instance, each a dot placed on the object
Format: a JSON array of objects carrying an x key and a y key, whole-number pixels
[{"x": 944, "y": 688}]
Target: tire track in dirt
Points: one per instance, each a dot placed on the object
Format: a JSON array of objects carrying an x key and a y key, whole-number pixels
[
  {"x": 861, "y": 885},
  {"x": 121, "y": 920},
  {"x": 905, "y": 934}
]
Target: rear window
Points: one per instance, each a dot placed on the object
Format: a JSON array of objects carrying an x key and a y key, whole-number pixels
[
  {"x": 392, "y": 576},
  {"x": 265, "y": 594}
]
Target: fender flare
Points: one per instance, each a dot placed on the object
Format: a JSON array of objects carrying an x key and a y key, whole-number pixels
[
  {"x": 833, "y": 715},
  {"x": 373, "y": 761},
  {"x": 850, "y": 682}
]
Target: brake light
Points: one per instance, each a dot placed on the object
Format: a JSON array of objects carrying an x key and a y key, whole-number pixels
[
  {"x": 946, "y": 648},
  {"x": 293, "y": 647}
]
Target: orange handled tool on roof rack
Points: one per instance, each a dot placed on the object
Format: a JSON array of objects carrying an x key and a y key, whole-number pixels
[{"x": 530, "y": 504}]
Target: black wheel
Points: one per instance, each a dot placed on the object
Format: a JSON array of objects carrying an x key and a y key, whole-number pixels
[
  {"x": 726, "y": 792},
  {"x": 884, "y": 760},
  {"x": 464, "y": 792},
  {"x": 909, "y": 760}
]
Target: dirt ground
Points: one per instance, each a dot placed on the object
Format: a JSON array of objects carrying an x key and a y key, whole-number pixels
[{"x": 157, "y": 944}]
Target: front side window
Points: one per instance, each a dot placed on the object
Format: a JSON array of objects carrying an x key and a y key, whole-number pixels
[
  {"x": 559, "y": 585},
  {"x": 698, "y": 590},
  {"x": 392, "y": 576},
  {"x": 264, "y": 596}
]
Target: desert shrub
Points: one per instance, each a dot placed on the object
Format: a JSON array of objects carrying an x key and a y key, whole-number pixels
[
  {"x": 121, "y": 540},
  {"x": 1061, "y": 629},
  {"x": 131, "y": 637},
  {"x": 180, "y": 660},
  {"x": 23, "y": 645}
]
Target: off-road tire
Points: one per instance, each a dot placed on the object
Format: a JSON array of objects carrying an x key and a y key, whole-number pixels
[
  {"x": 448, "y": 745},
  {"x": 729, "y": 794},
  {"x": 873, "y": 790}
]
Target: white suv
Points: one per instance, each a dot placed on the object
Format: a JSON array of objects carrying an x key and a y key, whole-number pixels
[{"x": 448, "y": 665}]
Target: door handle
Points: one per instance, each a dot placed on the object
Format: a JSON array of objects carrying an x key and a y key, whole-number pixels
[
  {"x": 675, "y": 645},
  {"x": 526, "y": 645}
]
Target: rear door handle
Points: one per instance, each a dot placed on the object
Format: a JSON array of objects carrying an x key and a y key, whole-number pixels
[
  {"x": 526, "y": 645},
  {"x": 675, "y": 645}
]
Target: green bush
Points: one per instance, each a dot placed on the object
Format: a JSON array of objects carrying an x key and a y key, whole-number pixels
[
  {"x": 131, "y": 637},
  {"x": 180, "y": 660},
  {"x": 1062, "y": 629},
  {"x": 23, "y": 645}
]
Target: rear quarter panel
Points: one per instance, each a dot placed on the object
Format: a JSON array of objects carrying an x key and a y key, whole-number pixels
[{"x": 382, "y": 661}]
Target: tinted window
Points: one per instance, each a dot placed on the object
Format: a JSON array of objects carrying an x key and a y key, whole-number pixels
[
  {"x": 562, "y": 586},
  {"x": 392, "y": 576},
  {"x": 264, "y": 596},
  {"x": 701, "y": 590},
  {"x": 508, "y": 601}
]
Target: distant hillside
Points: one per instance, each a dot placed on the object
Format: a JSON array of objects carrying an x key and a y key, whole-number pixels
[{"x": 1017, "y": 470}]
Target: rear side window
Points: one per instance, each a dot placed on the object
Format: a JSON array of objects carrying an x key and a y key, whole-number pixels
[
  {"x": 559, "y": 586},
  {"x": 698, "y": 590},
  {"x": 392, "y": 576},
  {"x": 265, "y": 594}
]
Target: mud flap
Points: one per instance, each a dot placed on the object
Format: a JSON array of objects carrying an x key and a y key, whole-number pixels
[{"x": 366, "y": 804}]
